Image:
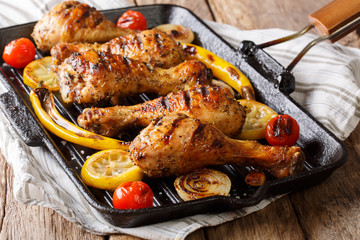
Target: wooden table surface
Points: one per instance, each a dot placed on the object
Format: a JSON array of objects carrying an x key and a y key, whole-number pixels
[{"x": 330, "y": 210}]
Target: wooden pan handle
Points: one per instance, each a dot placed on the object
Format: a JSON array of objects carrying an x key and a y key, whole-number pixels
[{"x": 334, "y": 16}]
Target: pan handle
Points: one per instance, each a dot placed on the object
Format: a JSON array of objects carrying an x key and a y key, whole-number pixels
[{"x": 336, "y": 19}]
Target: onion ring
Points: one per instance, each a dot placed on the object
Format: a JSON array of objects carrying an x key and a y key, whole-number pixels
[{"x": 202, "y": 183}]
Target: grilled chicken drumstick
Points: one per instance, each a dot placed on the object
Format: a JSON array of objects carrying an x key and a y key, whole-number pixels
[
  {"x": 211, "y": 104},
  {"x": 153, "y": 47},
  {"x": 92, "y": 77},
  {"x": 176, "y": 144},
  {"x": 72, "y": 21}
]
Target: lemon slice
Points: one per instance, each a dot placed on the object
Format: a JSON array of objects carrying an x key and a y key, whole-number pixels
[
  {"x": 38, "y": 74},
  {"x": 257, "y": 116},
  {"x": 107, "y": 169}
]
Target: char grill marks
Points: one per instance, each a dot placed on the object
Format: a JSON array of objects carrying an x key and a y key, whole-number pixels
[
  {"x": 153, "y": 47},
  {"x": 72, "y": 21},
  {"x": 170, "y": 145},
  {"x": 90, "y": 77},
  {"x": 211, "y": 104}
]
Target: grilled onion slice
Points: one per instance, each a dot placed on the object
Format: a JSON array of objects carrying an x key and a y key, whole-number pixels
[
  {"x": 180, "y": 33},
  {"x": 223, "y": 84},
  {"x": 202, "y": 183}
]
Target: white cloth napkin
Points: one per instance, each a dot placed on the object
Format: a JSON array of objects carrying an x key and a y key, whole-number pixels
[
  {"x": 327, "y": 79},
  {"x": 327, "y": 85}
]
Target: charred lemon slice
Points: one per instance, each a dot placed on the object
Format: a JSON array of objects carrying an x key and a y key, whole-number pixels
[
  {"x": 38, "y": 74},
  {"x": 107, "y": 169},
  {"x": 257, "y": 116}
]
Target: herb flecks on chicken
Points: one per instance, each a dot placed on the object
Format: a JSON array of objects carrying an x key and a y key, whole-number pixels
[
  {"x": 152, "y": 47},
  {"x": 211, "y": 104},
  {"x": 72, "y": 21},
  {"x": 177, "y": 144},
  {"x": 91, "y": 77}
]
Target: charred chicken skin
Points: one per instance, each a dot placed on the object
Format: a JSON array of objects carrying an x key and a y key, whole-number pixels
[
  {"x": 211, "y": 104},
  {"x": 91, "y": 77},
  {"x": 72, "y": 21},
  {"x": 153, "y": 47},
  {"x": 177, "y": 144}
]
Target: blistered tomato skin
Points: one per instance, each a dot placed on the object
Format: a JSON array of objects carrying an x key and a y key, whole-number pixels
[
  {"x": 282, "y": 130},
  {"x": 19, "y": 52},
  {"x": 132, "y": 20},
  {"x": 133, "y": 195}
]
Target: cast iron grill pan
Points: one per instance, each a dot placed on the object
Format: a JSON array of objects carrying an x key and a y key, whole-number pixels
[{"x": 272, "y": 83}]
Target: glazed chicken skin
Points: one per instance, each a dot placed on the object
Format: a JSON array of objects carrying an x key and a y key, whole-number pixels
[
  {"x": 91, "y": 77},
  {"x": 177, "y": 144},
  {"x": 211, "y": 104},
  {"x": 153, "y": 47},
  {"x": 72, "y": 21}
]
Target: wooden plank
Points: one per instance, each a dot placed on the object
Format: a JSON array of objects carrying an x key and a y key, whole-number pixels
[
  {"x": 276, "y": 221},
  {"x": 199, "y": 7},
  {"x": 263, "y": 14},
  {"x": 22, "y": 221},
  {"x": 332, "y": 209},
  {"x": 256, "y": 14},
  {"x": 123, "y": 237}
]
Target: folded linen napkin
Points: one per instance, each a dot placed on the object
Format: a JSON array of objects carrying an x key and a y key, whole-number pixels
[{"x": 327, "y": 85}]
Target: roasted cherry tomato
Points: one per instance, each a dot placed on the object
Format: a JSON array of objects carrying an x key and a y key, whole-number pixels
[
  {"x": 133, "y": 195},
  {"x": 132, "y": 20},
  {"x": 19, "y": 52},
  {"x": 282, "y": 130}
]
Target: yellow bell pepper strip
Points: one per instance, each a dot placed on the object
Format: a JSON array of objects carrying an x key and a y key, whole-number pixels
[
  {"x": 222, "y": 70},
  {"x": 43, "y": 103}
]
